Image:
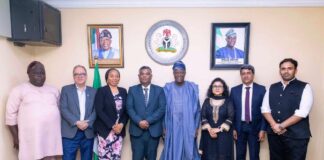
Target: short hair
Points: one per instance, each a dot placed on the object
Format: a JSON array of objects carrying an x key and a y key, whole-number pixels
[
  {"x": 110, "y": 70},
  {"x": 145, "y": 67},
  {"x": 294, "y": 62},
  {"x": 79, "y": 66},
  {"x": 248, "y": 67},
  {"x": 33, "y": 64},
  {"x": 225, "y": 87}
]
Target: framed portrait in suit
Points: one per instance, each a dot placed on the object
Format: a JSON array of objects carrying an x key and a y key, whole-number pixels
[
  {"x": 105, "y": 43},
  {"x": 229, "y": 45}
]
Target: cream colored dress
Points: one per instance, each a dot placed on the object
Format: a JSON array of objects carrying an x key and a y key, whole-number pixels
[{"x": 35, "y": 110}]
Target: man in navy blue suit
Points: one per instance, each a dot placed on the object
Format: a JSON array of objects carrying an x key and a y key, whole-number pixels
[
  {"x": 249, "y": 124},
  {"x": 146, "y": 109}
]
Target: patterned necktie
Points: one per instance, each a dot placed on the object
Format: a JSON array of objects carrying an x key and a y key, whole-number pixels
[
  {"x": 145, "y": 95},
  {"x": 247, "y": 104}
]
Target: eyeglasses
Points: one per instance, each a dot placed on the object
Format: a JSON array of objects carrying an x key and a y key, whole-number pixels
[
  {"x": 215, "y": 86},
  {"x": 79, "y": 74}
]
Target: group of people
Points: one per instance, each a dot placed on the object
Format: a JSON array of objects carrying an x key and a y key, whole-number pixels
[{"x": 45, "y": 124}]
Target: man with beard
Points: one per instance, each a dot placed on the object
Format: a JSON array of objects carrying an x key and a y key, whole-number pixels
[
  {"x": 33, "y": 117},
  {"x": 286, "y": 106},
  {"x": 182, "y": 117}
]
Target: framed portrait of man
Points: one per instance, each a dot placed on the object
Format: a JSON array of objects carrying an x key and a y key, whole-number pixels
[
  {"x": 229, "y": 45},
  {"x": 105, "y": 43}
]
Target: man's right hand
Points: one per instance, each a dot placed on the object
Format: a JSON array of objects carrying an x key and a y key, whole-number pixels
[
  {"x": 144, "y": 124},
  {"x": 16, "y": 143},
  {"x": 82, "y": 125},
  {"x": 14, "y": 132}
]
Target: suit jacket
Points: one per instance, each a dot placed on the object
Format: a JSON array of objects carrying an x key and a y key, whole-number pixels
[
  {"x": 107, "y": 113},
  {"x": 70, "y": 110},
  {"x": 258, "y": 121},
  {"x": 153, "y": 112}
]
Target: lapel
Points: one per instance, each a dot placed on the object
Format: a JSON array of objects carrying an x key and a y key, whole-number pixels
[
  {"x": 152, "y": 92},
  {"x": 111, "y": 99},
  {"x": 254, "y": 95},
  {"x": 239, "y": 95},
  {"x": 87, "y": 101},
  {"x": 140, "y": 94},
  {"x": 75, "y": 98}
]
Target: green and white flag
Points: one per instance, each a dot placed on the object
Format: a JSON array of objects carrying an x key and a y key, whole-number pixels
[{"x": 96, "y": 84}]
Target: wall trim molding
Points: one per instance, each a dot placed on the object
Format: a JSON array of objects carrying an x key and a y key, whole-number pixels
[{"x": 182, "y": 3}]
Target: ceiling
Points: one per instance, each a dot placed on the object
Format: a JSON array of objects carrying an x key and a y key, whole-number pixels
[{"x": 182, "y": 3}]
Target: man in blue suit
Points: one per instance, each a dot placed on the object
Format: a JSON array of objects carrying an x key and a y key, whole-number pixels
[
  {"x": 146, "y": 108},
  {"x": 249, "y": 124},
  {"x": 78, "y": 115}
]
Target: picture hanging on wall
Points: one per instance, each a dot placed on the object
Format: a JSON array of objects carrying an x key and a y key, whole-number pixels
[
  {"x": 229, "y": 45},
  {"x": 105, "y": 43},
  {"x": 166, "y": 42}
]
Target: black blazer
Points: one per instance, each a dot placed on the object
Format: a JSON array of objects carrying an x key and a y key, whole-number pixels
[{"x": 106, "y": 111}]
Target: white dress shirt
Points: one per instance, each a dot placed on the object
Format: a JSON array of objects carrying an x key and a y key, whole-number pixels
[
  {"x": 243, "y": 101},
  {"x": 305, "y": 105},
  {"x": 82, "y": 101}
]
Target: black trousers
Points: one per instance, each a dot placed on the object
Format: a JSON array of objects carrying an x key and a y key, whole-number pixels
[{"x": 285, "y": 148}]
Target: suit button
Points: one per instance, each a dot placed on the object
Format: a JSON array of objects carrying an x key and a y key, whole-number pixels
[
  {"x": 280, "y": 95},
  {"x": 279, "y": 103},
  {"x": 278, "y": 112},
  {"x": 278, "y": 120}
]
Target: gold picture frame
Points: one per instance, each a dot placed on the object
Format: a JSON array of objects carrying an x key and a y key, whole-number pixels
[{"x": 105, "y": 44}]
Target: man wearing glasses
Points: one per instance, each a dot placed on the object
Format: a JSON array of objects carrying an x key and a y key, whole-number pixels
[{"x": 78, "y": 115}]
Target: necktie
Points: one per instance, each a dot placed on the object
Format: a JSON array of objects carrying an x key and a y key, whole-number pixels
[
  {"x": 247, "y": 104},
  {"x": 145, "y": 95}
]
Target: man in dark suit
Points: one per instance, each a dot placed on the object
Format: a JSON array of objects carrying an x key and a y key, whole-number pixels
[
  {"x": 249, "y": 124},
  {"x": 78, "y": 115},
  {"x": 146, "y": 108}
]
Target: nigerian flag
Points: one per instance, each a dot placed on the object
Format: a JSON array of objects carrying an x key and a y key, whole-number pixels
[
  {"x": 218, "y": 34},
  {"x": 96, "y": 84},
  {"x": 96, "y": 77}
]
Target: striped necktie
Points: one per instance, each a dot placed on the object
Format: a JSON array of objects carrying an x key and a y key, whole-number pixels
[{"x": 145, "y": 95}]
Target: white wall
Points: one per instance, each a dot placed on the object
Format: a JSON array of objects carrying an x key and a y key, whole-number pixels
[
  {"x": 14, "y": 62},
  {"x": 276, "y": 33}
]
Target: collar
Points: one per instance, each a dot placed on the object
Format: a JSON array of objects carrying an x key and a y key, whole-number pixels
[
  {"x": 283, "y": 84},
  {"x": 244, "y": 85},
  {"x": 149, "y": 87},
  {"x": 78, "y": 88}
]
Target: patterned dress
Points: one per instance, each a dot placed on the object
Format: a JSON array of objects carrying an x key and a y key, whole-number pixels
[{"x": 110, "y": 148}]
